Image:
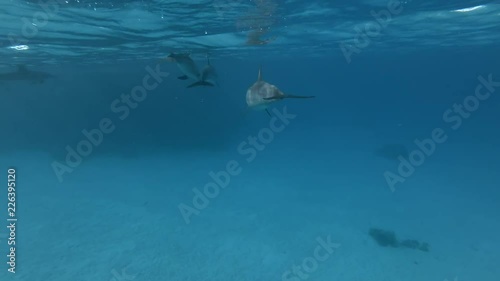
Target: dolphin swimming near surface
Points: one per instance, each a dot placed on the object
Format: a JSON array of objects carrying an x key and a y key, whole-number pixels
[
  {"x": 186, "y": 65},
  {"x": 208, "y": 76},
  {"x": 254, "y": 38},
  {"x": 24, "y": 74},
  {"x": 261, "y": 94}
]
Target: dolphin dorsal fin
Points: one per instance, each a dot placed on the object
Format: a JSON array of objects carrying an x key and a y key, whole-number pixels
[{"x": 259, "y": 78}]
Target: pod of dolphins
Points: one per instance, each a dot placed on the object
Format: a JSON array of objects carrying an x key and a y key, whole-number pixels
[{"x": 259, "y": 96}]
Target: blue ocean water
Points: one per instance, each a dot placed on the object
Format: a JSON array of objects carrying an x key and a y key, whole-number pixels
[{"x": 114, "y": 170}]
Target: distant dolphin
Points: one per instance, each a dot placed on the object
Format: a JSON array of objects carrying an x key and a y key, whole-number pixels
[
  {"x": 261, "y": 94},
  {"x": 24, "y": 74},
  {"x": 186, "y": 66},
  {"x": 208, "y": 76},
  {"x": 254, "y": 38}
]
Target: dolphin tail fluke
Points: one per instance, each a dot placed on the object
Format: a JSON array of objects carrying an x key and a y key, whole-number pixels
[{"x": 201, "y": 83}]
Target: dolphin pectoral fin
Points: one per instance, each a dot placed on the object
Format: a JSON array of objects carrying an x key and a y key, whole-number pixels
[
  {"x": 298, "y": 97},
  {"x": 273, "y": 98},
  {"x": 247, "y": 111},
  {"x": 183, "y": 77},
  {"x": 288, "y": 97},
  {"x": 200, "y": 83}
]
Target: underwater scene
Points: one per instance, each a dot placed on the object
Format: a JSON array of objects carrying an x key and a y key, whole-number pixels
[{"x": 250, "y": 140}]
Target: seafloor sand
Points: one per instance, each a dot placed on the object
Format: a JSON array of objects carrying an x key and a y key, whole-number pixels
[{"x": 112, "y": 215}]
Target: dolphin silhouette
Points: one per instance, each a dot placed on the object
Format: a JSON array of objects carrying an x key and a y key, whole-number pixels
[
  {"x": 24, "y": 74},
  {"x": 208, "y": 76},
  {"x": 262, "y": 94},
  {"x": 254, "y": 38},
  {"x": 186, "y": 65}
]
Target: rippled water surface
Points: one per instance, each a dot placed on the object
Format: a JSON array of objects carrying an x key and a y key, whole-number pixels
[{"x": 97, "y": 31}]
